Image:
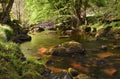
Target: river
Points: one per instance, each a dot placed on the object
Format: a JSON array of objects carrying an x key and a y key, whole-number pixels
[{"x": 97, "y": 58}]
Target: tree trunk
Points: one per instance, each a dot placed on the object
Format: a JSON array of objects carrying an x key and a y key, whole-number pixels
[
  {"x": 77, "y": 11},
  {"x": 5, "y": 18},
  {"x": 85, "y": 4}
]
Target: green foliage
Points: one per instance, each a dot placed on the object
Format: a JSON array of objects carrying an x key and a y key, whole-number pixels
[
  {"x": 38, "y": 10},
  {"x": 5, "y": 32},
  {"x": 98, "y": 26},
  {"x": 11, "y": 59},
  {"x": 13, "y": 64},
  {"x": 32, "y": 75},
  {"x": 98, "y": 3}
]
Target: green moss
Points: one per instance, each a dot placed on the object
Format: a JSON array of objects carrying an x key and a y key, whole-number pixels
[
  {"x": 32, "y": 75},
  {"x": 13, "y": 64},
  {"x": 5, "y": 32},
  {"x": 11, "y": 53}
]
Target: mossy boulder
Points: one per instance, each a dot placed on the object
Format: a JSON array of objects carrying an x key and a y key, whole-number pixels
[
  {"x": 68, "y": 49},
  {"x": 32, "y": 75},
  {"x": 7, "y": 70},
  {"x": 13, "y": 64},
  {"x": 29, "y": 65},
  {"x": 5, "y": 32}
]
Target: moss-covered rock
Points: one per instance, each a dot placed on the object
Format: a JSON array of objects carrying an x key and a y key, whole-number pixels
[
  {"x": 32, "y": 75},
  {"x": 5, "y": 32},
  {"x": 68, "y": 49},
  {"x": 14, "y": 65}
]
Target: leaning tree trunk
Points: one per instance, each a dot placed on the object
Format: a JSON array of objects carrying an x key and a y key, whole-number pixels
[{"x": 6, "y": 6}]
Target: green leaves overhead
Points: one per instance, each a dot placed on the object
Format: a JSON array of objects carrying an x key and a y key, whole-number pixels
[
  {"x": 37, "y": 10},
  {"x": 41, "y": 10}
]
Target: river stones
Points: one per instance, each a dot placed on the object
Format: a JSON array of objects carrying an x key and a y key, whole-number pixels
[
  {"x": 82, "y": 76},
  {"x": 36, "y": 29},
  {"x": 73, "y": 72},
  {"x": 68, "y": 49}
]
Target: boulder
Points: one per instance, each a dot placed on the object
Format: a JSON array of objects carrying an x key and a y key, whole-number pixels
[
  {"x": 32, "y": 75},
  {"x": 68, "y": 49},
  {"x": 21, "y": 38},
  {"x": 36, "y": 29}
]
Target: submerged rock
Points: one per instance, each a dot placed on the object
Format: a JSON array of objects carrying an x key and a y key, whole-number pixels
[
  {"x": 73, "y": 71},
  {"x": 116, "y": 75},
  {"x": 82, "y": 76},
  {"x": 68, "y": 49},
  {"x": 104, "y": 47}
]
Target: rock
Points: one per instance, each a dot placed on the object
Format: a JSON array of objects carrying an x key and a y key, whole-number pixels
[
  {"x": 87, "y": 29},
  {"x": 73, "y": 72},
  {"x": 50, "y": 62},
  {"x": 116, "y": 75},
  {"x": 116, "y": 47},
  {"x": 49, "y": 25},
  {"x": 36, "y": 29},
  {"x": 31, "y": 75},
  {"x": 62, "y": 37},
  {"x": 103, "y": 32},
  {"x": 68, "y": 32},
  {"x": 42, "y": 50},
  {"x": 68, "y": 49},
  {"x": 21, "y": 38},
  {"x": 117, "y": 36},
  {"x": 82, "y": 76},
  {"x": 67, "y": 76},
  {"x": 46, "y": 72},
  {"x": 104, "y": 47}
]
